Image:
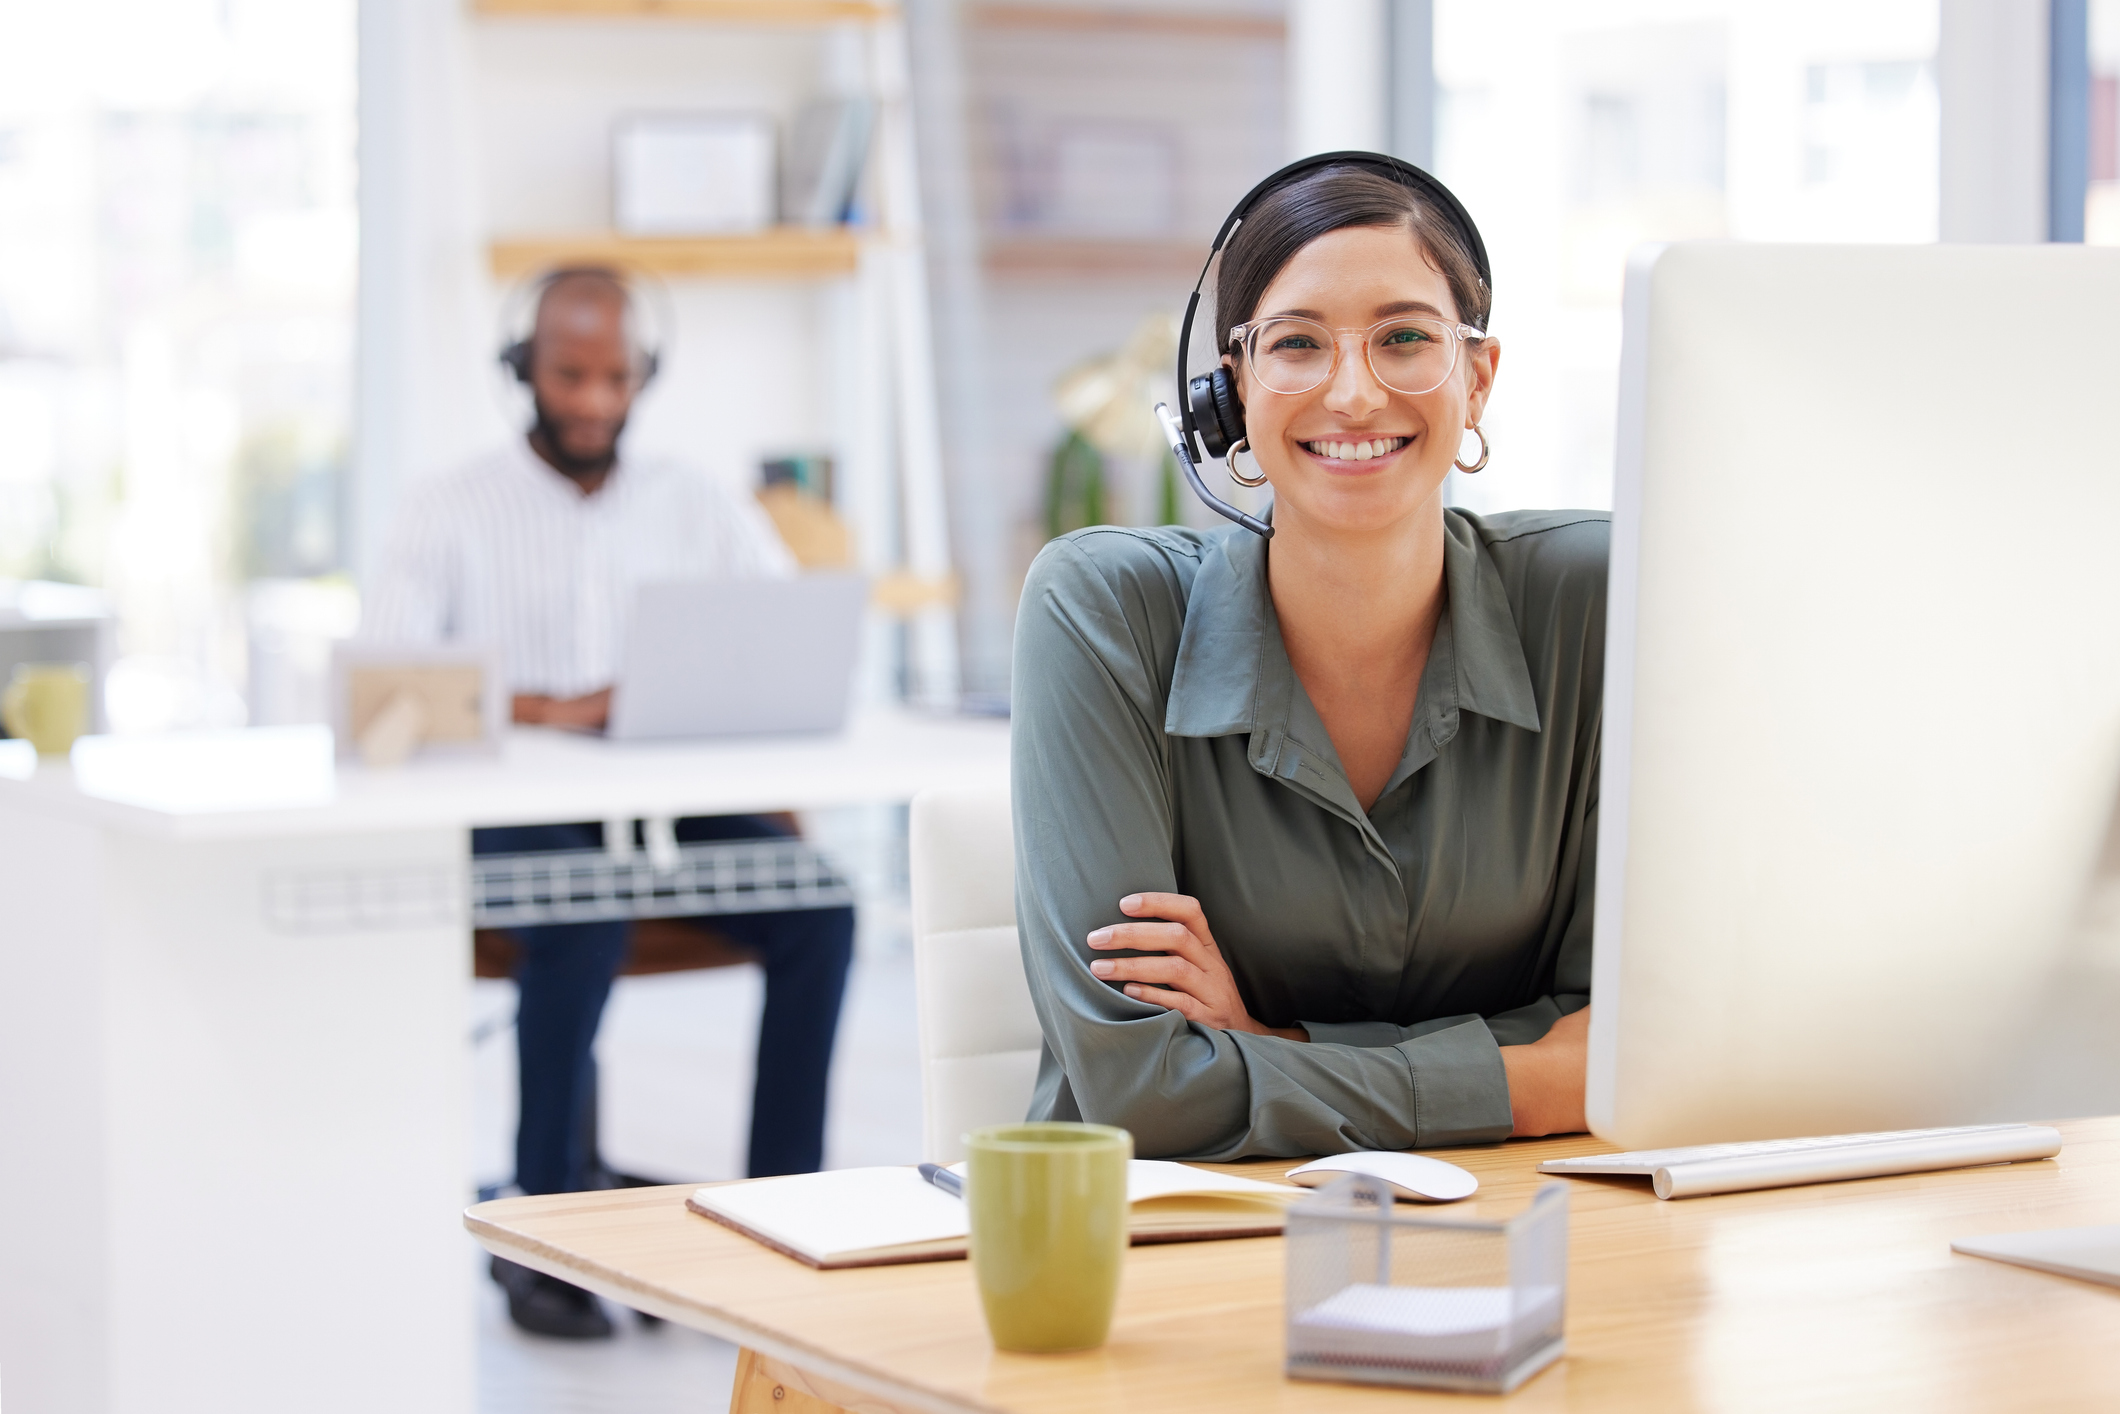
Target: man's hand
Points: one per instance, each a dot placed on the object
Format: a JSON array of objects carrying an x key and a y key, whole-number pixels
[
  {"x": 580, "y": 713},
  {"x": 1190, "y": 978},
  {"x": 1546, "y": 1079}
]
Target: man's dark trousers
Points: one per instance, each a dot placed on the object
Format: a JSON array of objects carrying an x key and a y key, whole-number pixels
[{"x": 563, "y": 976}]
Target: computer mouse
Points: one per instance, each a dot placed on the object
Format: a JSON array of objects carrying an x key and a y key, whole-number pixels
[{"x": 1412, "y": 1176}]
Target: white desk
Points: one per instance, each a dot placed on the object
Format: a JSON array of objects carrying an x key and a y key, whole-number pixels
[{"x": 233, "y": 1151}]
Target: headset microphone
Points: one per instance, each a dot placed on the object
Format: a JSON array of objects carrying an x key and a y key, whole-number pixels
[
  {"x": 1178, "y": 449},
  {"x": 1211, "y": 411}
]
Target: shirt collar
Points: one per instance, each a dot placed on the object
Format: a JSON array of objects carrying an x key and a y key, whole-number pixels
[
  {"x": 554, "y": 482},
  {"x": 1233, "y": 675}
]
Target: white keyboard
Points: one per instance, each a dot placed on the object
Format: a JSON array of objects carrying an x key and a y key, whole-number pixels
[{"x": 1778, "y": 1163}]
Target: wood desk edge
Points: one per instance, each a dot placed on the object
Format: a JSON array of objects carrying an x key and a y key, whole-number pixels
[
  {"x": 516, "y": 1247},
  {"x": 1507, "y": 1171}
]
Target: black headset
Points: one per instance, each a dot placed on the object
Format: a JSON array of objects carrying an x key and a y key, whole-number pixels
[
  {"x": 516, "y": 355},
  {"x": 1214, "y": 414}
]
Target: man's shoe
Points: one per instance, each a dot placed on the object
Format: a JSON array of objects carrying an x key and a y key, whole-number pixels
[{"x": 546, "y": 1305}]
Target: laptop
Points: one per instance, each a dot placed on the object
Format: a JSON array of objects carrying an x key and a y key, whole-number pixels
[{"x": 738, "y": 657}]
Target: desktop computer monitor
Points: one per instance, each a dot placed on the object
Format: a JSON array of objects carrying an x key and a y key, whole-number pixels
[{"x": 1858, "y": 840}]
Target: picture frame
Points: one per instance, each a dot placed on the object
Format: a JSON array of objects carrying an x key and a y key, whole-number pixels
[{"x": 462, "y": 700}]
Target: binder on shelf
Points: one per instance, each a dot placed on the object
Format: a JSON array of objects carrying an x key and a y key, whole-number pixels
[{"x": 828, "y": 145}]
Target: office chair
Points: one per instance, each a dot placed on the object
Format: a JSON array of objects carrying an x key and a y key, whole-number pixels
[{"x": 979, "y": 1037}]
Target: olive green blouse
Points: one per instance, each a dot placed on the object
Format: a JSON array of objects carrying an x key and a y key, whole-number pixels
[{"x": 1162, "y": 742}]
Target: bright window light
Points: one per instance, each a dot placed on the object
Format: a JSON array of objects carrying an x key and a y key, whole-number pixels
[
  {"x": 1577, "y": 129},
  {"x": 176, "y": 319}
]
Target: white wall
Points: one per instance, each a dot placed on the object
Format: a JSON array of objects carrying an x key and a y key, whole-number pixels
[
  {"x": 1338, "y": 55},
  {"x": 419, "y": 379}
]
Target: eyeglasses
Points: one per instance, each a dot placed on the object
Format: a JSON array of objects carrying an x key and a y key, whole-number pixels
[{"x": 1407, "y": 355}]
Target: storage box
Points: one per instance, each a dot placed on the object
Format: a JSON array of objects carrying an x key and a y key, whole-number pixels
[
  {"x": 1399, "y": 1295},
  {"x": 692, "y": 174}
]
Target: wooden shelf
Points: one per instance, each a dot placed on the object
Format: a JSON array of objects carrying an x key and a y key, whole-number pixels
[
  {"x": 787, "y": 254},
  {"x": 738, "y": 12},
  {"x": 1041, "y": 258},
  {"x": 1191, "y": 24}
]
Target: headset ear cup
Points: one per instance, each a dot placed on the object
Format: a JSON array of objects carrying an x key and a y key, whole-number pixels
[
  {"x": 1216, "y": 411},
  {"x": 516, "y": 358},
  {"x": 1228, "y": 407},
  {"x": 1206, "y": 417}
]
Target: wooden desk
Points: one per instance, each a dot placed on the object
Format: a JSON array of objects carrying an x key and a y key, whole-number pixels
[{"x": 1837, "y": 1296}]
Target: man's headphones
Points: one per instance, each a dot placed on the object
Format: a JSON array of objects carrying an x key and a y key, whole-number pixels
[
  {"x": 1214, "y": 414},
  {"x": 647, "y": 321}
]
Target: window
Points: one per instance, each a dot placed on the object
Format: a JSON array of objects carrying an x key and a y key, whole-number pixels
[
  {"x": 1576, "y": 129},
  {"x": 176, "y": 319},
  {"x": 2101, "y": 206}
]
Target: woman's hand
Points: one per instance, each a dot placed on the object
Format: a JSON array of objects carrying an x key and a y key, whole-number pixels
[
  {"x": 1190, "y": 977},
  {"x": 1546, "y": 1079}
]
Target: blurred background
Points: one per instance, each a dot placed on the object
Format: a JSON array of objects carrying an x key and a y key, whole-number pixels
[
  {"x": 257, "y": 258},
  {"x": 253, "y": 254}
]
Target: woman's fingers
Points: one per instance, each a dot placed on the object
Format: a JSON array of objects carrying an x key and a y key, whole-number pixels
[
  {"x": 1180, "y": 969},
  {"x": 1160, "y": 967},
  {"x": 1181, "y": 927},
  {"x": 1178, "y": 908},
  {"x": 1142, "y": 937},
  {"x": 1183, "y": 1003}
]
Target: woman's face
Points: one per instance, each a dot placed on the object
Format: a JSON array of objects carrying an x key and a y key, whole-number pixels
[{"x": 1308, "y": 444}]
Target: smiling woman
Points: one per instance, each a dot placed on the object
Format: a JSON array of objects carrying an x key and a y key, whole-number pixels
[{"x": 1307, "y": 827}]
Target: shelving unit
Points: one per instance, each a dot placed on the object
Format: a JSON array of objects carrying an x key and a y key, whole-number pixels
[
  {"x": 890, "y": 458},
  {"x": 1187, "y": 24},
  {"x": 740, "y": 12},
  {"x": 791, "y": 253},
  {"x": 1098, "y": 145}
]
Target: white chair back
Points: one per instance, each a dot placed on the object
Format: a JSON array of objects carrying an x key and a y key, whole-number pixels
[{"x": 979, "y": 1037}]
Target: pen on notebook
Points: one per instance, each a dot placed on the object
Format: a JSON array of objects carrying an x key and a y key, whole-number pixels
[{"x": 943, "y": 1179}]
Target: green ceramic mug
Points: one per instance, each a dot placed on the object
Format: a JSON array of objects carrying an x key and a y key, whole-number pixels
[
  {"x": 1048, "y": 1210},
  {"x": 48, "y": 704}
]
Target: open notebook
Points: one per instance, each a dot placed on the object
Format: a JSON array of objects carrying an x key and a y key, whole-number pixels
[{"x": 880, "y": 1216}]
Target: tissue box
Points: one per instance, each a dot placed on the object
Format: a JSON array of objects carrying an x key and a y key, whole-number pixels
[{"x": 1380, "y": 1294}]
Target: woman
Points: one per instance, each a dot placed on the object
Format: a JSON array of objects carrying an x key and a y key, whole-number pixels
[{"x": 1306, "y": 828}]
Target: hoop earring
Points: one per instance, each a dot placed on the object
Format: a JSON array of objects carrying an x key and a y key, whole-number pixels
[
  {"x": 1242, "y": 444},
  {"x": 1481, "y": 464}
]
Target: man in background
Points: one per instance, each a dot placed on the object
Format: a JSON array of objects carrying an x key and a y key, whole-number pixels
[{"x": 535, "y": 551}]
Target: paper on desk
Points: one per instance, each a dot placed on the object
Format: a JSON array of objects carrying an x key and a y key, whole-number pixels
[
  {"x": 849, "y": 1215},
  {"x": 1425, "y": 1324},
  {"x": 841, "y": 1210}
]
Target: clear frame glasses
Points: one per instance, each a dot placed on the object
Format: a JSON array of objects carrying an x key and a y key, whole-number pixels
[{"x": 1410, "y": 354}]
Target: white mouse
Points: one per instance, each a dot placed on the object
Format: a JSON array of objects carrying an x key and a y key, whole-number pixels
[{"x": 1412, "y": 1176}]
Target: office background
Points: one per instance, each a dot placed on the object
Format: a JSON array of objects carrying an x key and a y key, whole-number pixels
[
  {"x": 249, "y": 295},
  {"x": 254, "y": 256}
]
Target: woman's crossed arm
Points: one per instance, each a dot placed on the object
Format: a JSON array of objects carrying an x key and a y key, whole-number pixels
[{"x": 1184, "y": 971}]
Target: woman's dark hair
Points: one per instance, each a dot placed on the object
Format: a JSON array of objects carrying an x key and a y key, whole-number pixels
[{"x": 1332, "y": 199}]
